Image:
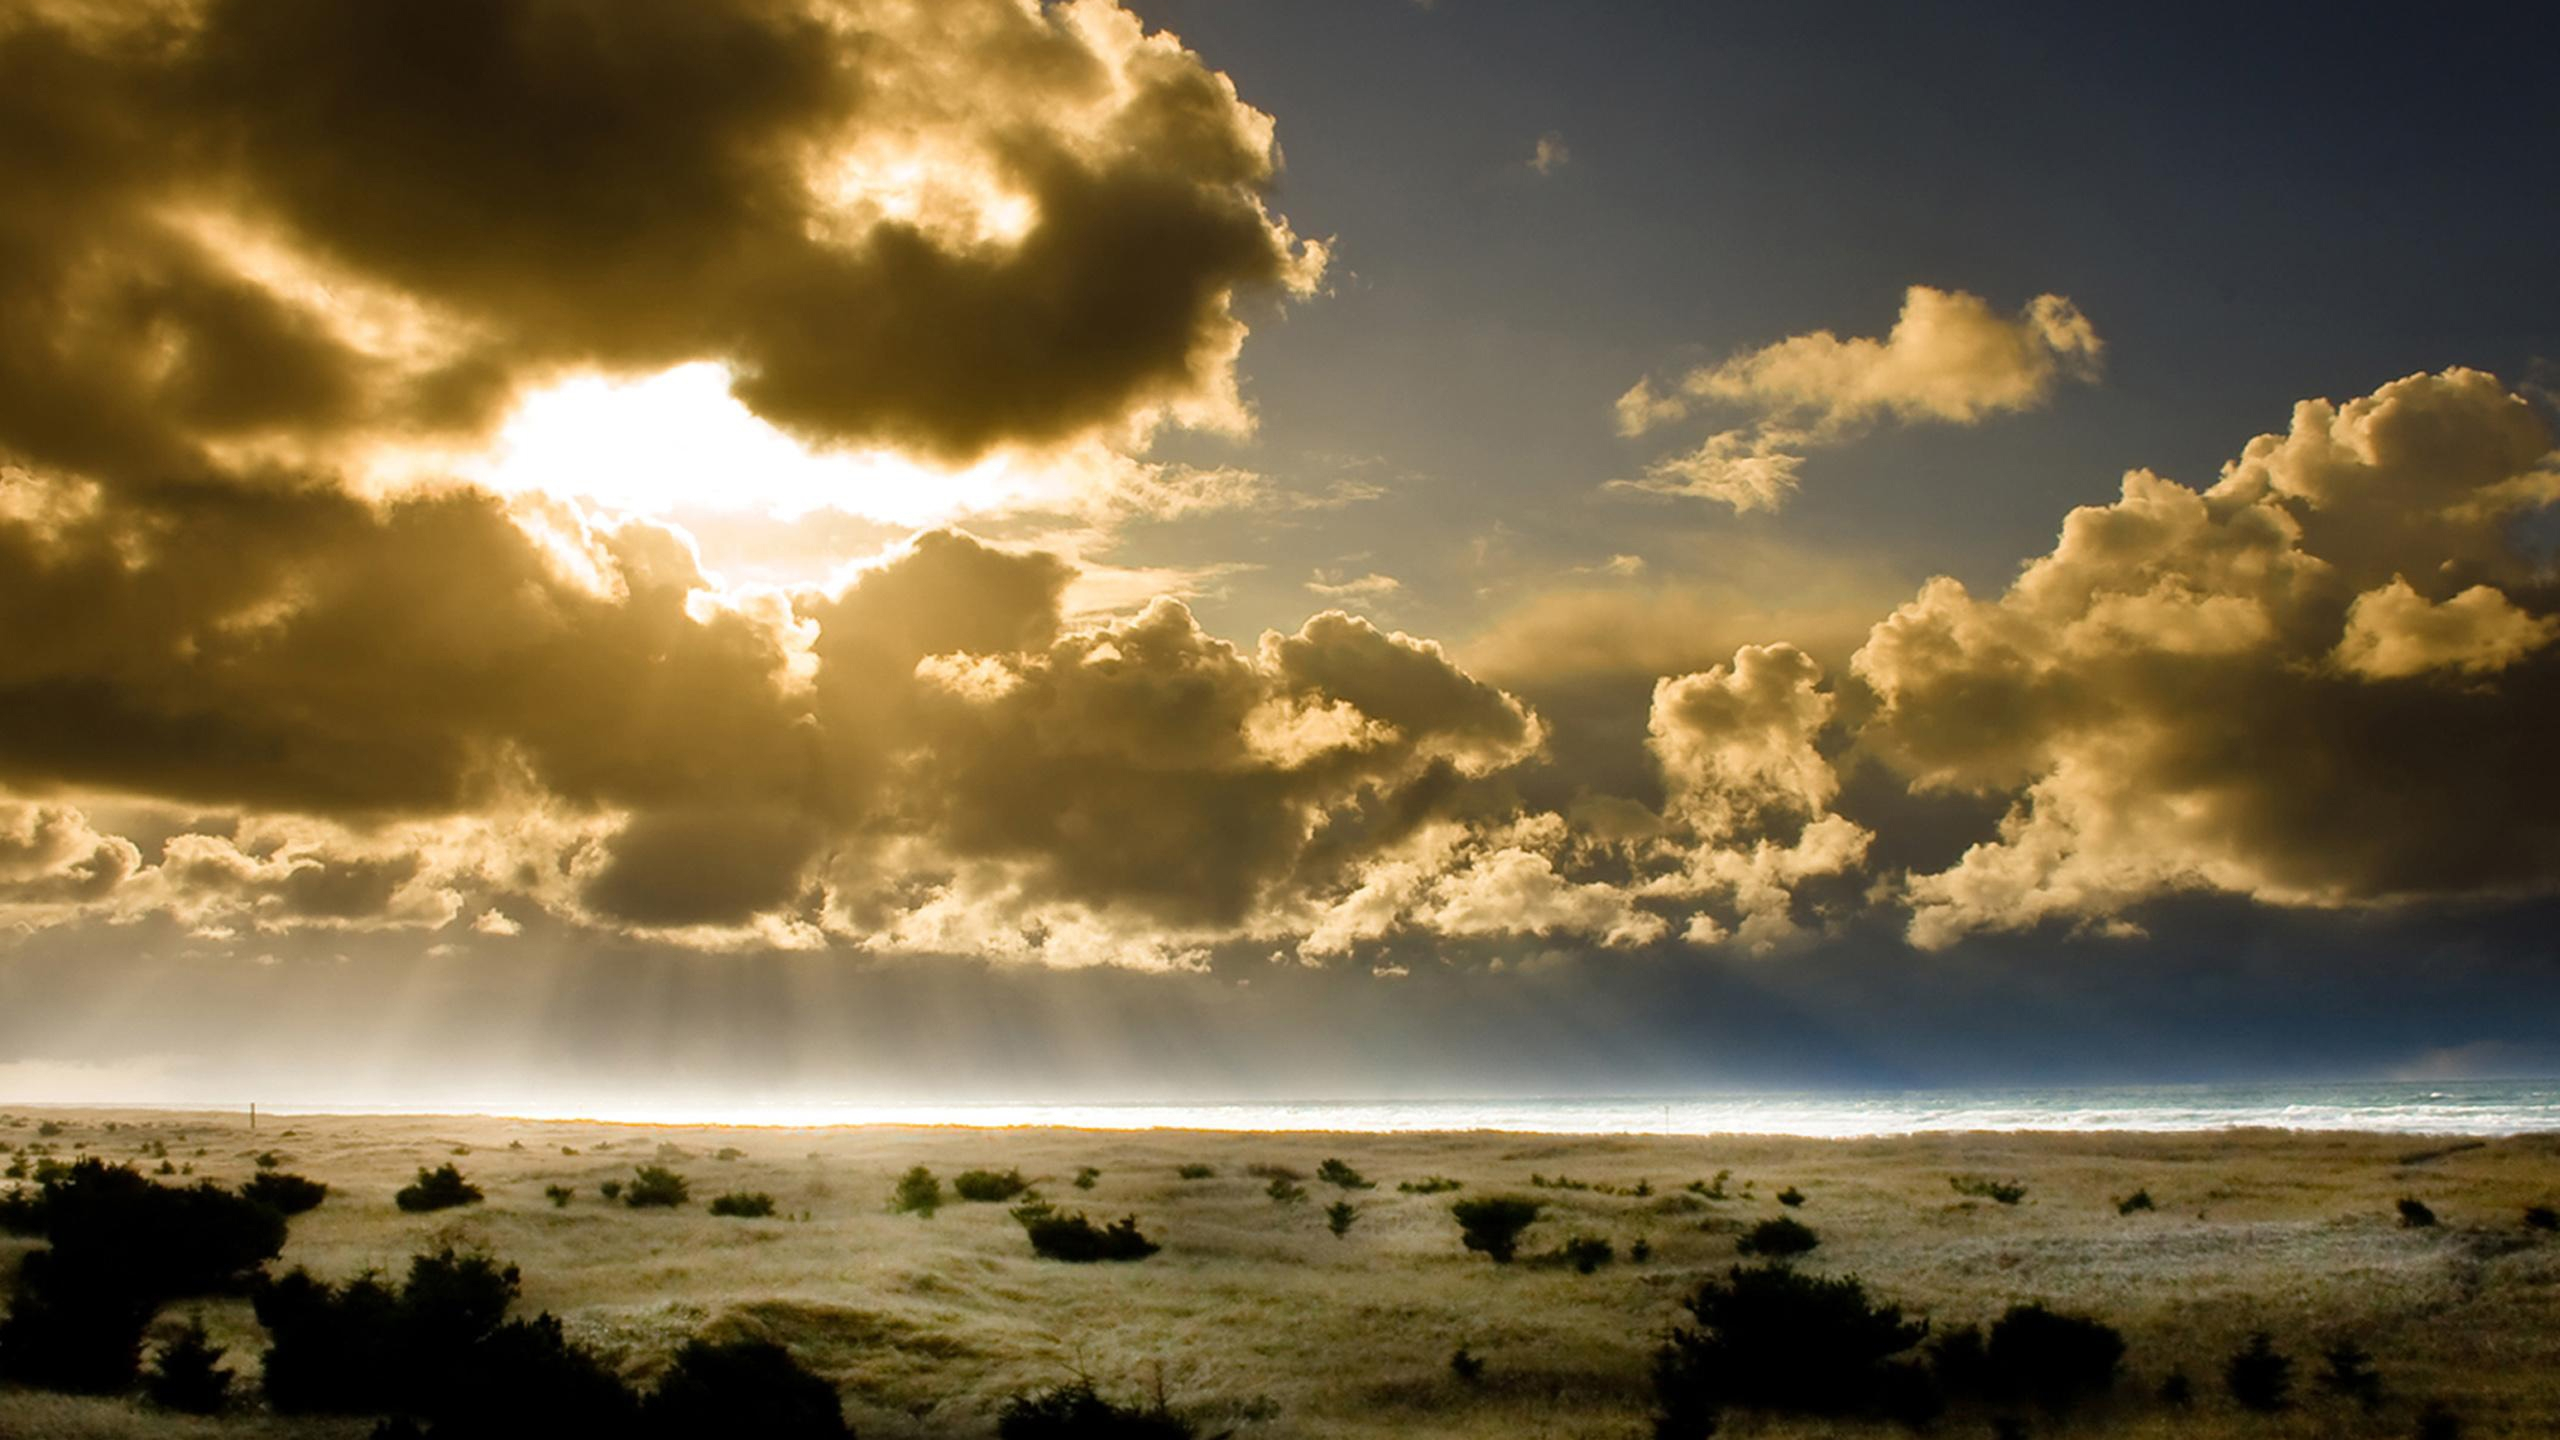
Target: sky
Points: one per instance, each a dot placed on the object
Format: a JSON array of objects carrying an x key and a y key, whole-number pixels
[{"x": 560, "y": 553}]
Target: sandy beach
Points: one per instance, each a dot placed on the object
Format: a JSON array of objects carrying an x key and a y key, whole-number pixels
[{"x": 1255, "y": 1317}]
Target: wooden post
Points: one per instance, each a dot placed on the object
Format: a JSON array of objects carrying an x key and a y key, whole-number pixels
[{"x": 253, "y": 1117}]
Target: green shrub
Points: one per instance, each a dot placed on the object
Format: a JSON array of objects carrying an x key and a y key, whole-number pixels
[
  {"x": 744, "y": 1205},
  {"x": 285, "y": 1194},
  {"x": 2055, "y": 1360},
  {"x": 1772, "y": 1338},
  {"x": 186, "y": 1376},
  {"x": 2138, "y": 1200},
  {"x": 917, "y": 1193},
  {"x": 1714, "y": 1190},
  {"x": 269, "y": 1160},
  {"x": 1195, "y": 1171},
  {"x": 363, "y": 1347},
  {"x": 1261, "y": 1170},
  {"x": 2259, "y": 1376},
  {"x": 1640, "y": 1252},
  {"x": 1059, "y": 1236},
  {"x": 1078, "y": 1412},
  {"x": 49, "y": 1129},
  {"x": 558, "y": 1195},
  {"x": 1491, "y": 1225},
  {"x": 1466, "y": 1365},
  {"x": 744, "y": 1388},
  {"x": 988, "y": 1186},
  {"x": 2006, "y": 1192},
  {"x": 1285, "y": 1191},
  {"x": 1342, "y": 1177},
  {"x": 1791, "y": 1197},
  {"x": 1086, "y": 1175},
  {"x": 2541, "y": 1217},
  {"x": 1429, "y": 1185},
  {"x": 2414, "y": 1213},
  {"x": 1338, "y": 1217},
  {"x": 656, "y": 1187},
  {"x": 439, "y": 1189},
  {"x": 1587, "y": 1253},
  {"x": 611, "y": 1190},
  {"x": 1777, "y": 1237}
]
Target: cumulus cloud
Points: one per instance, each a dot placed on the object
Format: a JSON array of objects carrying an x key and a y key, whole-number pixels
[
  {"x": 1949, "y": 359},
  {"x": 2304, "y": 684}
]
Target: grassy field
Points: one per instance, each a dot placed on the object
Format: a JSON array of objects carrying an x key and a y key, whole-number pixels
[{"x": 1255, "y": 1318}]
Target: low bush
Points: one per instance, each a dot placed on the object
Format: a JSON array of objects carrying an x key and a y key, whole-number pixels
[
  {"x": 1711, "y": 1190},
  {"x": 1195, "y": 1171},
  {"x": 1086, "y": 1175},
  {"x": 1491, "y": 1225},
  {"x": 746, "y": 1388},
  {"x": 2436, "y": 1422},
  {"x": 656, "y": 1187},
  {"x": 2415, "y": 1214},
  {"x": 1078, "y": 1412},
  {"x": 918, "y": 1192},
  {"x": 1776, "y": 1339},
  {"x": 744, "y": 1205},
  {"x": 363, "y": 1347},
  {"x": 1640, "y": 1252},
  {"x": 1791, "y": 1197},
  {"x": 2138, "y": 1200},
  {"x": 2006, "y": 1192},
  {"x": 2259, "y": 1376},
  {"x": 1777, "y": 1237},
  {"x": 1338, "y": 1217},
  {"x": 2053, "y": 1359},
  {"x": 611, "y": 1190},
  {"x": 558, "y": 1195},
  {"x": 988, "y": 1186},
  {"x": 2347, "y": 1372},
  {"x": 187, "y": 1376},
  {"x": 2177, "y": 1391},
  {"x": 1261, "y": 1170},
  {"x": 269, "y": 1160},
  {"x": 285, "y": 1194},
  {"x": 442, "y": 1188},
  {"x": 2541, "y": 1217},
  {"x": 1587, "y": 1253},
  {"x": 1342, "y": 1177},
  {"x": 1285, "y": 1191},
  {"x": 1429, "y": 1185},
  {"x": 1059, "y": 1236}
]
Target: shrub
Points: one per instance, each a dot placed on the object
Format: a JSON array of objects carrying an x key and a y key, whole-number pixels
[
  {"x": 744, "y": 1387},
  {"x": 1057, "y": 1236},
  {"x": 2052, "y": 1359},
  {"x": 1428, "y": 1185},
  {"x": 2006, "y": 1192},
  {"x": 283, "y": 1193},
  {"x": 611, "y": 1190},
  {"x": 2259, "y": 1376},
  {"x": 987, "y": 1186},
  {"x": 49, "y": 1129},
  {"x": 2414, "y": 1213},
  {"x": 558, "y": 1195},
  {"x": 2138, "y": 1200},
  {"x": 743, "y": 1204},
  {"x": 1085, "y": 1176},
  {"x": 2541, "y": 1217},
  {"x": 269, "y": 1160},
  {"x": 917, "y": 1193},
  {"x": 1587, "y": 1253},
  {"x": 1791, "y": 1197},
  {"x": 1342, "y": 1177},
  {"x": 1777, "y": 1237},
  {"x": 1078, "y": 1412},
  {"x": 1770, "y": 1337},
  {"x": 1339, "y": 1216},
  {"x": 1640, "y": 1252},
  {"x": 1260, "y": 1170},
  {"x": 2177, "y": 1391},
  {"x": 186, "y": 1376},
  {"x": 22, "y": 1212},
  {"x": 1466, "y": 1365},
  {"x": 656, "y": 1187},
  {"x": 363, "y": 1347},
  {"x": 1711, "y": 1191},
  {"x": 2435, "y": 1422},
  {"x": 1284, "y": 1191},
  {"x": 1195, "y": 1171},
  {"x": 1492, "y": 1224},
  {"x": 2349, "y": 1374},
  {"x": 730, "y": 1152},
  {"x": 65, "y": 1331},
  {"x": 439, "y": 1189}
]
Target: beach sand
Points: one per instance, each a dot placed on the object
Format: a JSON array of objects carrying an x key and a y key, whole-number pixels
[{"x": 1255, "y": 1318}]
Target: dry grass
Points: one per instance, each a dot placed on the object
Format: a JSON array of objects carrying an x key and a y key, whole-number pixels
[{"x": 1256, "y": 1317}]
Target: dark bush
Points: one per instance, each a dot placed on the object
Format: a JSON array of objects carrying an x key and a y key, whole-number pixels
[
  {"x": 1342, "y": 1177},
  {"x": 745, "y": 1205},
  {"x": 1640, "y": 1252},
  {"x": 1338, "y": 1217},
  {"x": 1769, "y": 1337},
  {"x": 2435, "y": 1422},
  {"x": 1262, "y": 1170},
  {"x": 1284, "y": 1191},
  {"x": 611, "y": 1190},
  {"x": 2138, "y": 1200},
  {"x": 2348, "y": 1373},
  {"x": 1056, "y": 1236},
  {"x": 1195, "y": 1171},
  {"x": 1791, "y": 1197},
  {"x": 153, "y": 1240},
  {"x": 525, "y": 1381},
  {"x": 187, "y": 1376},
  {"x": 2055, "y": 1360},
  {"x": 558, "y": 1195},
  {"x": 69, "y": 1330},
  {"x": 1587, "y": 1253},
  {"x": 2541, "y": 1217},
  {"x": 50, "y": 1128},
  {"x": 746, "y": 1388},
  {"x": 988, "y": 1187},
  {"x": 22, "y": 1212},
  {"x": 2177, "y": 1391},
  {"x": 1077, "y": 1412},
  {"x": 1705, "y": 1190},
  {"x": 1429, "y": 1185},
  {"x": 442, "y": 1188},
  {"x": 2259, "y": 1376},
  {"x": 285, "y": 1194},
  {"x": 2006, "y": 1192},
  {"x": 363, "y": 1347},
  {"x": 1492, "y": 1224},
  {"x": 917, "y": 1193},
  {"x": 1777, "y": 1237},
  {"x": 269, "y": 1160},
  {"x": 1086, "y": 1175},
  {"x": 1466, "y": 1365},
  {"x": 2414, "y": 1213},
  {"x": 655, "y": 1187}
]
